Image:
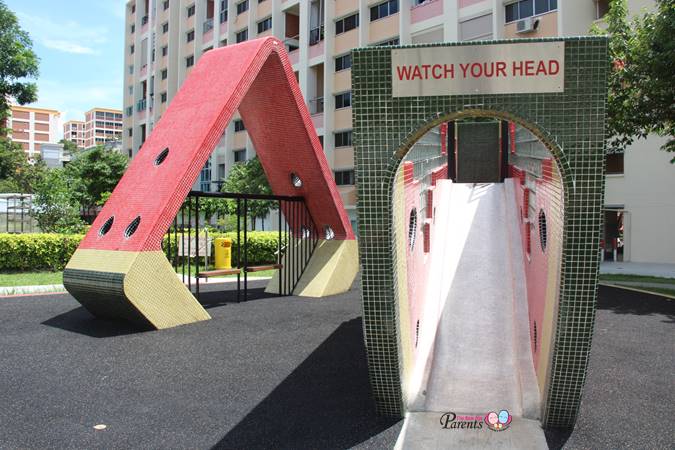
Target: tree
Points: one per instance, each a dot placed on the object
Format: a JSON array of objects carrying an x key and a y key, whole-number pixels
[
  {"x": 54, "y": 206},
  {"x": 93, "y": 173},
  {"x": 18, "y": 62},
  {"x": 17, "y": 174},
  {"x": 69, "y": 147},
  {"x": 249, "y": 178},
  {"x": 642, "y": 74}
]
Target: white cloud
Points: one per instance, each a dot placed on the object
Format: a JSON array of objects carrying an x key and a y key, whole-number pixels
[
  {"x": 68, "y": 47},
  {"x": 65, "y": 36}
]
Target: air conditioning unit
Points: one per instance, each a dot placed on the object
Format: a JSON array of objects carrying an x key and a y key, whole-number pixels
[{"x": 527, "y": 25}]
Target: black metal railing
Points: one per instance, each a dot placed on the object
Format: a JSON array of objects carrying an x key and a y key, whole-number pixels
[{"x": 189, "y": 241}]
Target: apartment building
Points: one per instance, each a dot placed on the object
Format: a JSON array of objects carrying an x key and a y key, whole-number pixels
[
  {"x": 102, "y": 125},
  {"x": 73, "y": 130},
  {"x": 165, "y": 38},
  {"x": 31, "y": 127}
]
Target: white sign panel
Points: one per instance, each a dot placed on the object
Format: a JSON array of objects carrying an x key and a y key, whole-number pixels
[{"x": 479, "y": 69}]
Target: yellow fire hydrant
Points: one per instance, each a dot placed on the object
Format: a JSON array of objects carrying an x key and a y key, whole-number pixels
[{"x": 223, "y": 250}]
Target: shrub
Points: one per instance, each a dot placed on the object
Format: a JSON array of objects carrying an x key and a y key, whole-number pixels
[
  {"x": 36, "y": 251},
  {"x": 29, "y": 252},
  {"x": 262, "y": 246}
]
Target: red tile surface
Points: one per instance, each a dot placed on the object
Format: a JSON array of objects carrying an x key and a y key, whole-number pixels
[{"x": 255, "y": 77}]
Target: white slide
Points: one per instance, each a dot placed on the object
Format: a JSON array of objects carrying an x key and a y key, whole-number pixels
[{"x": 481, "y": 353}]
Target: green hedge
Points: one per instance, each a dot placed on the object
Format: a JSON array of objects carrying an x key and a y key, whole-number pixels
[
  {"x": 36, "y": 251},
  {"x": 30, "y": 252},
  {"x": 262, "y": 246}
]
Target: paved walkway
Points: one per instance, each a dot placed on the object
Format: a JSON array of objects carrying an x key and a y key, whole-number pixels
[
  {"x": 279, "y": 373},
  {"x": 633, "y": 268}
]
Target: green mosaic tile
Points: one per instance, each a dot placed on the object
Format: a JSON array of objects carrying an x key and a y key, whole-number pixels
[{"x": 570, "y": 123}]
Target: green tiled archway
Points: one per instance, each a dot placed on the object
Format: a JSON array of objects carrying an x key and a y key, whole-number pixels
[{"x": 571, "y": 124}]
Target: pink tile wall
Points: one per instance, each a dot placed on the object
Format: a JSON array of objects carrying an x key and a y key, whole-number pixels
[
  {"x": 539, "y": 263},
  {"x": 418, "y": 259}
]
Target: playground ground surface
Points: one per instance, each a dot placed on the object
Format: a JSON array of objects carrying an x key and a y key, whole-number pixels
[{"x": 279, "y": 373}]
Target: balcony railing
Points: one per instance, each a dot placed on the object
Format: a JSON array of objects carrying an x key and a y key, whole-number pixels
[
  {"x": 292, "y": 43},
  {"x": 208, "y": 25},
  {"x": 316, "y": 106},
  {"x": 316, "y": 35},
  {"x": 141, "y": 105}
]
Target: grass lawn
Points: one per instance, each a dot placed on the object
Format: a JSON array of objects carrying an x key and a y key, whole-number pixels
[
  {"x": 635, "y": 281},
  {"x": 636, "y": 278},
  {"x": 11, "y": 279},
  {"x": 30, "y": 278}
]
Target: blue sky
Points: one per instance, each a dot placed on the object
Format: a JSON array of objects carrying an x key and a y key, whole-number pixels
[{"x": 80, "y": 46}]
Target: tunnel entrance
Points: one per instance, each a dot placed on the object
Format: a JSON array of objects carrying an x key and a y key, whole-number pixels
[
  {"x": 476, "y": 299},
  {"x": 394, "y": 104}
]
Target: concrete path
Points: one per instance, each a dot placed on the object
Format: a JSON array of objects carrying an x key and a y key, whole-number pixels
[
  {"x": 482, "y": 359},
  {"x": 634, "y": 268}
]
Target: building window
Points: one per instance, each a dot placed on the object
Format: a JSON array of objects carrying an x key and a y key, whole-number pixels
[
  {"x": 601, "y": 8},
  {"x": 162, "y": 97},
  {"x": 528, "y": 8},
  {"x": 133, "y": 28},
  {"x": 131, "y": 90},
  {"x": 242, "y": 35},
  {"x": 239, "y": 125},
  {"x": 394, "y": 41},
  {"x": 240, "y": 155},
  {"x": 165, "y": 74},
  {"x": 264, "y": 25},
  {"x": 221, "y": 172},
  {"x": 383, "y": 10},
  {"x": 614, "y": 164},
  {"x": 344, "y": 177},
  {"x": 130, "y": 132},
  {"x": 191, "y": 10},
  {"x": 190, "y": 61},
  {"x": 165, "y": 27},
  {"x": 205, "y": 177},
  {"x": 190, "y": 36},
  {"x": 343, "y": 100},
  {"x": 166, "y": 5},
  {"x": 223, "y": 11},
  {"x": 343, "y": 139},
  {"x": 165, "y": 50},
  {"x": 346, "y": 24},
  {"x": 131, "y": 69},
  {"x": 130, "y": 152},
  {"x": 242, "y": 7},
  {"x": 343, "y": 62},
  {"x": 130, "y": 111},
  {"x": 133, "y": 8}
]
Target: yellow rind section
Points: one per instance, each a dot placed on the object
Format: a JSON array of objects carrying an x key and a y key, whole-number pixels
[
  {"x": 331, "y": 270},
  {"x": 102, "y": 260},
  {"x": 150, "y": 284}
]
